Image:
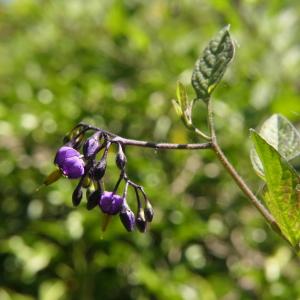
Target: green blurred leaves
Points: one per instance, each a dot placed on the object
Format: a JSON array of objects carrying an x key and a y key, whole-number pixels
[
  {"x": 114, "y": 64},
  {"x": 282, "y": 195},
  {"x": 211, "y": 66}
]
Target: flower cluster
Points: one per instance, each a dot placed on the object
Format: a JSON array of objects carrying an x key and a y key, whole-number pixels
[{"x": 90, "y": 167}]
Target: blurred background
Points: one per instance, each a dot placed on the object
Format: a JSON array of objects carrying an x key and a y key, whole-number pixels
[{"x": 115, "y": 64}]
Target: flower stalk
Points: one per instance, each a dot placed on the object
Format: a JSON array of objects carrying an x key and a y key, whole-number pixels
[{"x": 72, "y": 165}]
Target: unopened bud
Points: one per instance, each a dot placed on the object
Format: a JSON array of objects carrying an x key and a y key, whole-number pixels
[
  {"x": 86, "y": 182},
  {"x": 120, "y": 158},
  {"x": 77, "y": 142},
  {"x": 91, "y": 146},
  {"x": 99, "y": 169},
  {"x": 71, "y": 135},
  {"x": 77, "y": 196},
  {"x": 149, "y": 212},
  {"x": 140, "y": 221},
  {"x": 127, "y": 218},
  {"x": 93, "y": 199}
]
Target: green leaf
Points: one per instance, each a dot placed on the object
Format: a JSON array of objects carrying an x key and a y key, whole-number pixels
[
  {"x": 177, "y": 108},
  {"x": 210, "y": 67},
  {"x": 185, "y": 105},
  {"x": 282, "y": 195},
  {"x": 182, "y": 95},
  {"x": 282, "y": 135},
  {"x": 256, "y": 164}
]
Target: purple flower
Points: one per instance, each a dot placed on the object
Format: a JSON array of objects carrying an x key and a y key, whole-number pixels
[
  {"x": 69, "y": 161},
  {"x": 63, "y": 153},
  {"x": 111, "y": 203},
  {"x": 127, "y": 218}
]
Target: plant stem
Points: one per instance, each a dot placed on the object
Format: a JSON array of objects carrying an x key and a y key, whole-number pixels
[
  {"x": 137, "y": 143},
  {"x": 200, "y": 133},
  {"x": 236, "y": 177},
  {"x": 161, "y": 146},
  {"x": 212, "y": 144}
]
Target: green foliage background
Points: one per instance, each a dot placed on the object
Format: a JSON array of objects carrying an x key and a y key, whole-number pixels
[{"x": 115, "y": 64}]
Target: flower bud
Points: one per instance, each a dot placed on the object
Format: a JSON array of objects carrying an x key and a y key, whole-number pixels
[
  {"x": 111, "y": 203},
  {"x": 77, "y": 196},
  {"x": 120, "y": 158},
  {"x": 73, "y": 140},
  {"x": 69, "y": 161},
  {"x": 127, "y": 218},
  {"x": 99, "y": 169},
  {"x": 91, "y": 146},
  {"x": 93, "y": 199},
  {"x": 75, "y": 134},
  {"x": 149, "y": 212},
  {"x": 77, "y": 142},
  {"x": 140, "y": 221}
]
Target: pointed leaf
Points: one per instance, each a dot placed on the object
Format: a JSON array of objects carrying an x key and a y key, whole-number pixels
[
  {"x": 256, "y": 164},
  {"x": 282, "y": 135},
  {"x": 177, "y": 108},
  {"x": 182, "y": 96},
  {"x": 185, "y": 105},
  {"x": 282, "y": 195},
  {"x": 52, "y": 177},
  {"x": 210, "y": 67}
]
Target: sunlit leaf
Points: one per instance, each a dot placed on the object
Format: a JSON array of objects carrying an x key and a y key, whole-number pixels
[
  {"x": 184, "y": 104},
  {"x": 210, "y": 67},
  {"x": 182, "y": 96},
  {"x": 282, "y": 135},
  {"x": 177, "y": 108},
  {"x": 282, "y": 195}
]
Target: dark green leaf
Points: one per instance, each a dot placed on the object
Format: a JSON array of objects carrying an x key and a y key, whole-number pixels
[{"x": 210, "y": 67}]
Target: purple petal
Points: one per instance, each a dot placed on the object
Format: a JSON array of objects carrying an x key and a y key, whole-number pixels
[
  {"x": 111, "y": 203},
  {"x": 63, "y": 153},
  {"x": 73, "y": 167}
]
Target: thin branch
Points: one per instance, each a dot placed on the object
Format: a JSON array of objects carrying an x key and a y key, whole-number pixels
[
  {"x": 137, "y": 143},
  {"x": 161, "y": 146},
  {"x": 237, "y": 178}
]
